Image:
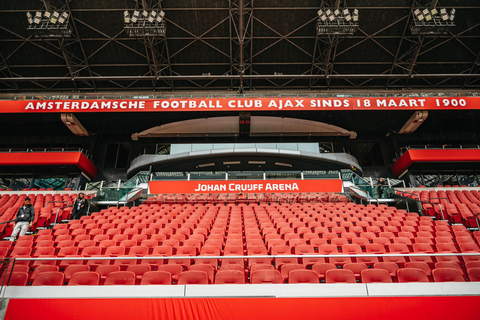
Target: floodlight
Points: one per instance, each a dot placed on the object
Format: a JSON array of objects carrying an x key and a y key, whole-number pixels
[
  {"x": 54, "y": 17},
  {"x": 153, "y": 13},
  {"x": 63, "y": 18},
  {"x": 434, "y": 11},
  {"x": 443, "y": 13},
  {"x": 420, "y": 17},
  {"x": 38, "y": 17},
  {"x": 426, "y": 14},
  {"x": 29, "y": 18},
  {"x": 328, "y": 12},
  {"x": 336, "y": 12},
  {"x": 331, "y": 17},
  {"x": 145, "y": 13},
  {"x": 320, "y": 12},
  {"x": 135, "y": 16},
  {"x": 151, "y": 19},
  {"x": 355, "y": 15},
  {"x": 47, "y": 14},
  {"x": 126, "y": 16},
  {"x": 160, "y": 16},
  {"x": 417, "y": 12},
  {"x": 452, "y": 14}
]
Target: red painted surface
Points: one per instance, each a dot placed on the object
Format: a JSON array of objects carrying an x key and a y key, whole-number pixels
[
  {"x": 247, "y": 186},
  {"x": 232, "y": 104},
  {"x": 434, "y": 155},
  {"x": 77, "y": 159},
  {"x": 372, "y": 308}
]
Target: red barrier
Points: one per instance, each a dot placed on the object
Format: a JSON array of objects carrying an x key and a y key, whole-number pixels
[
  {"x": 373, "y": 308},
  {"x": 434, "y": 155},
  {"x": 77, "y": 159}
]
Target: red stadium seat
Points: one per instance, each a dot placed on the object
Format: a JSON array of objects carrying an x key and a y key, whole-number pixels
[
  {"x": 474, "y": 274},
  {"x": 411, "y": 275},
  {"x": 18, "y": 279},
  {"x": 339, "y": 275},
  {"x": 229, "y": 277},
  {"x": 51, "y": 278},
  {"x": 156, "y": 278},
  {"x": 84, "y": 278},
  {"x": 70, "y": 270},
  {"x": 375, "y": 275},
  {"x": 302, "y": 276},
  {"x": 266, "y": 276},
  {"x": 193, "y": 277},
  {"x": 120, "y": 278},
  {"x": 447, "y": 275}
]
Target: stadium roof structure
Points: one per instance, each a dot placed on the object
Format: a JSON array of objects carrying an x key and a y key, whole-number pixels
[{"x": 238, "y": 45}]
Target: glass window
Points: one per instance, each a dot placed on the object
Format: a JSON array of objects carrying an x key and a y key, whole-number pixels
[
  {"x": 431, "y": 180},
  {"x": 207, "y": 175},
  {"x": 282, "y": 175},
  {"x": 418, "y": 180},
  {"x": 467, "y": 180},
  {"x": 449, "y": 179},
  {"x": 245, "y": 175}
]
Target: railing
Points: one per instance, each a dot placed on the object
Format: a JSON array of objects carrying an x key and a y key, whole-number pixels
[
  {"x": 427, "y": 202},
  {"x": 128, "y": 199},
  {"x": 141, "y": 177}
]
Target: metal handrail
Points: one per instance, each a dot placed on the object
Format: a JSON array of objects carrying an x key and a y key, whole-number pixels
[
  {"x": 135, "y": 190},
  {"x": 58, "y": 208},
  {"x": 476, "y": 218},
  {"x": 363, "y": 255},
  {"x": 433, "y": 204}
]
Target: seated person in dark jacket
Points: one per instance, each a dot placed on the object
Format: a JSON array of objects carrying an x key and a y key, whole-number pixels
[
  {"x": 79, "y": 206},
  {"x": 24, "y": 219}
]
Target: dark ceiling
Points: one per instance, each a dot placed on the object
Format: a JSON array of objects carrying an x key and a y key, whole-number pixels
[{"x": 201, "y": 39}]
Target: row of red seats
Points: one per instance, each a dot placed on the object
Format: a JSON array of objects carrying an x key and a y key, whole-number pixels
[
  {"x": 247, "y": 198},
  {"x": 55, "y": 278}
]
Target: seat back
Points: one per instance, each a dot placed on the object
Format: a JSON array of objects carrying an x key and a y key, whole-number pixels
[
  {"x": 339, "y": 275},
  {"x": 266, "y": 276},
  {"x": 156, "y": 277},
  {"x": 303, "y": 276},
  {"x": 375, "y": 275},
  {"x": 84, "y": 278},
  {"x": 411, "y": 275},
  {"x": 230, "y": 277},
  {"x": 193, "y": 277},
  {"x": 447, "y": 275},
  {"x": 50, "y": 278},
  {"x": 120, "y": 278}
]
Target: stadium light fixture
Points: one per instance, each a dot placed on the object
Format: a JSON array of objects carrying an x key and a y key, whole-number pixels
[
  {"x": 160, "y": 16},
  {"x": 135, "y": 16},
  {"x": 452, "y": 14},
  {"x": 29, "y": 18},
  {"x": 151, "y": 16},
  {"x": 38, "y": 17},
  {"x": 63, "y": 17},
  {"x": 347, "y": 15},
  {"x": 427, "y": 15},
  {"x": 355, "y": 15},
  {"x": 54, "y": 17},
  {"x": 145, "y": 13},
  {"x": 443, "y": 14},
  {"x": 336, "y": 12},
  {"x": 47, "y": 14},
  {"x": 126, "y": 16},
  {"x": 434, "y": 11}
]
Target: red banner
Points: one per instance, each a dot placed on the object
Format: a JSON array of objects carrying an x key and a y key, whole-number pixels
[
  {"x": 233, "y": 104},
  {"x": 374, "y": 308},
  {"x": 245, "y": 186}
]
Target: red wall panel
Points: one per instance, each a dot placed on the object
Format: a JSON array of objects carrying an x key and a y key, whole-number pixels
[
  {"x": 77, "y": 159},
  {"x": 434, "y": 155},
  {"x": 372, "y": 308}
]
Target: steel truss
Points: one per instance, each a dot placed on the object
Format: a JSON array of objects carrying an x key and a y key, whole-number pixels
[{"x": 243, "y": 60}]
